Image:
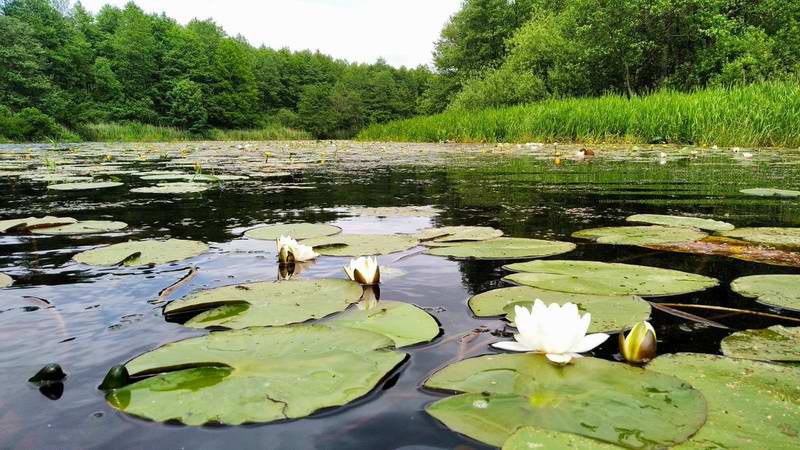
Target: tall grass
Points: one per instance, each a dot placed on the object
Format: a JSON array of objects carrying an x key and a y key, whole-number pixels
[
  {"x": 139, "y": 132},
  {"x": 764, "y": 114}
]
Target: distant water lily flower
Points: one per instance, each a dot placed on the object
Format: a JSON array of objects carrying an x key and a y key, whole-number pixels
[
  {"x": 289, "y": 250},
  {"x": 639, "y": 346},
  {"x": 364, "y": 270},
  {"x": 557, "y": 331}
]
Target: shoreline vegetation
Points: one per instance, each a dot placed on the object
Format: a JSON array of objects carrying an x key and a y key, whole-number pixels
[{"x": 139, "y": 132}]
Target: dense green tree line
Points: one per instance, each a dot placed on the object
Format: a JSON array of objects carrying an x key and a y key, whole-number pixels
[{"x": 61, "y": 66}]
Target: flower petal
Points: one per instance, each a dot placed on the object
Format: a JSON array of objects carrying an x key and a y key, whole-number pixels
[
  {"x": 559, "y": 358},
  {"x": 589, "y": 342},
  {"x": 512, "y": 346}
]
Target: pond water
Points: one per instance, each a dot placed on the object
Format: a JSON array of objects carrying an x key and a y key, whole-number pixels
[{"x": 89, "y": 319}]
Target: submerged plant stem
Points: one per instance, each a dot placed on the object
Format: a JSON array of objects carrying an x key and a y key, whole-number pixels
[{"x": 733, "y": 310}]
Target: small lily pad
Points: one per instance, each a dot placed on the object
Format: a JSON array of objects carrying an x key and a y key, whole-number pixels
[
  {"x": 266, "y": 304},
  {"x": 750, "y": 404},
  {"x": 83, "y": 227},
  {"x": 5, "y": 280},
  {"x": 782, "y": 291},
  {"x": 592, "y": 277},
  {"x": 503, "y": 248},
  {"x": 361, "y": 244},
  {"x": 777, "y": 236},
  {"x": 734, "y": 248},
  {"x": 769, "y": 192},
  {"x": 31, "y": 223},
  {"x": 139, "y": 253},
  {"x": 84, "y": 186},
  {"x": 446, "y": 235},
  {"x": 403, "y": 323},
  {"x": 397, "y": 211},
  {"x": 295, "y": 230},
  {"x": 775, "y": 343},
  {"x": 173, "y": 188},
  {"x": 642, "y": 235},
  {"x": 529, "y": 438},
  {"x": 681, "y": 222}
]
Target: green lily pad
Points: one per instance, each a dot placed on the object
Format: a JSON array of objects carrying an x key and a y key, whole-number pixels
[
  {"x": 361, "y": 244},
  {"x": 767, "y": 235},
  {"x": 594, "y": 398},
  {"x": 750, "y": 404},
  {"x": 32, "y": 223},
  {"x": 295, "y": 230},
  {"x": 592, "y": 277},
  {"x": 775, "y": 343},
  {"x": 769, "y": 192},
  {"x": 528, "y": 438},
  {"x": 782, "y": 291},
  {"x": 84, "y": 186},
  {"x": 447, "y": 235},
  {"x": 403, "y": 323},
  {"x": 140, "y": 253},
  {"x": 59, "y": 178},
  {"x": 503, "y": 248},
  {"x": 5, "y": 280},
  {"x": 266, "y": 304},
  {"x": 642, "y": 235},
  {"x": 681, "y": 222},
  {"x": 397, "y": 211},
  {"x": 173, "y": 188},
  {"x": 83, "y": 227},
  {"x": 256, "y": 375}
]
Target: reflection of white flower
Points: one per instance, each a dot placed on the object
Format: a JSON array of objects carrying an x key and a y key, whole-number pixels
[
  {"x": 290, "y": 250},
  {"x": 557, "y": 331},
  {"x": 364, "y": 270}
]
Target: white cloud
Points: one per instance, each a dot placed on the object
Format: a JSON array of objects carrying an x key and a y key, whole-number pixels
[{"x": 401, "y": 31}]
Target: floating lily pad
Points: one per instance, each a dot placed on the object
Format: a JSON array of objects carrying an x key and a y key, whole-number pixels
[
  {"x": 529, "y": 438},
  {"x": 681, "y": 222},
  {"x": 361, "y": 244},
  {"x": 59, "y": 178},
  {"x": 214, "y": 178},
  {"x": 5, "y": 280},
  {"x": 403, "y": 323},
  {"x": 173, "y": 188},
  {"x": 266, "y": 304},
  {"x": 594, "y": 398},
  {"x": 642, "y": 235},
  {"x": 295, "y": 230},
  {"x": 782, "y": 291},
  {"x": 31, "y": 223},
  {"x": 139, "y": 253},
  {"x": 400, "y": 211},
  {"x": 775, "y": 343},
  {"x": 768, "y": 192},
  {"x": 503, "y": 248},
  {"x": 789, "y": 237},
  {"x": 750, "y": 404},
  {"x": 446, "y": 235},
  {"x": 592, "y": 277},
  {"x": 84, "y": 186},
  {"x": 256, "y": 375},
  {"x": 734, "y": 248},
  {"x": 83, "y": 227}
]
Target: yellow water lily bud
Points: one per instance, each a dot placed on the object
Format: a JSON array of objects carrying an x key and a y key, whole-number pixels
[{"x": 639, "y": 346}]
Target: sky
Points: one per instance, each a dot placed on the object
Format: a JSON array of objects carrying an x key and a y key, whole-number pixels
[{"x": 403, "y": 32}]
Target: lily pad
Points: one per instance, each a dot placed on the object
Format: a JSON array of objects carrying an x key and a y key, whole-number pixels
[
  {"x": 403, "y": 323},
  {"x": 750, "y": 404},
  {"x": 83, "y": 227},
  {"x": 140, "y": 253},
  {"x": 592, "y": 277},
  {"x": 256, "y": 375},
  {"x": 642, "y": 235},
  {"x": 446, "y": 235},
  {"x": 775, "y": 343},
  {"x": 361, "y": 244},
  {"x": 528, "y": 438},
  {"x": 789, "y": 237},
  {"x": 84, "y": 186},
  {"x": 5, "y": 280},
  {"x": 173, "y": 188},
  {"x": 782, "y": 291},
  {"x": 31, "y": 223},
  {"x": 769, "y": 192},
  {"x": 734, "y": 248},
  {"x": 295, "y": 230},
  {"x": 594, "y": 398},
  {"x": 681, "y": 222},
  {"x": 503, "y": 248},
  {"x": 266, "y": 304},
  {"x": 399, "y": 211}
]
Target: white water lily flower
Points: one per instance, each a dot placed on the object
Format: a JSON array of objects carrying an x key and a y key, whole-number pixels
[
  {"x": 364, "y": 270},
  {"x": 289, "y": 250},
  {"x": 557, "y": 331}
]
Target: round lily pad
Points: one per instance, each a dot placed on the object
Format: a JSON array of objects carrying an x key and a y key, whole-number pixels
[
  {"x": 31, "y": 223},
  {"x": 775, "y": 343},
  {"x": 361, "y": 244},
  {"x": 266, "y": 304},
  {"x": 503, "y": 248},
  {"x": 84, "y": 186},
  {"x": 681, "y": 222},
  {"x": 445, "y": 235},
  {"x": 642, "y": 235},
  {"x": 750, "y": 404},
  {"x": 594, "y": 398},
  {"x": 592, "y": 277},
  {"x": 59, "y": 178},
  {"x": 5, "y": 280},
  {"x": 397, "y": 211},
  {"x": 173, "y": 188},
  {"x": 83, "y": 227},
  {"x": 769, "y": 192},
  {"x": 139, "y": 253},
  {"x": 403, "y": 323},
  {"x": 295, "y": 230},
  {"x": 256, "y": 375},
  {"x": 767, "y": 235},
  {"x": 782, "y": 291},
  {"x": 529, "y": 438}
]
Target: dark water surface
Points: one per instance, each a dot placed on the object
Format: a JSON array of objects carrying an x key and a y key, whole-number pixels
[{"x": 88, "y": 319}]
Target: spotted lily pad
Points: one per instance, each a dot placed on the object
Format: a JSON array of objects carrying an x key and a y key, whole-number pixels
[
  {"x": 594, "y": 398},
  {"x": 503, "y": 248},
  {"x": 782, "y": 291},
  {"x": 139, "y": 253},
  {"x": 642, "y": 235},
  {"x": 734, "y": 248},
  {"x": 789, "y": 237},
  {"x": 361, "y": 244},
  {"x": 83, "y": 227},
  {"x": 592, "y": 277},
  {"x": 769, "y": 192},
  {"x": 681, "y": 222},
  {"x": 256, "y": 375},
  {"x": 775, "y": 343},
  {"x": 529, "y": 438},
  {"x": 5, "y": 280},
  {"x": 750, "y": 404},
  {"x": 84, "y": 186},
  {"x": 447, "y": 235},
  {"x": 32, "y": 223},
  {"x": 266, "y": 304},
  {"x": 173, "y": 188},
  {"x": 295, "y": 230},
  {"x": 403, "y": 323}
]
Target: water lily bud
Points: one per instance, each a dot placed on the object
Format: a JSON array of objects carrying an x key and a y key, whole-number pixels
[
  {"x": 48, "y": 373},
  {"x": 639, "y": 346},
  {"x": 364, "y": 270},
  {"x": 116, "y": 377}
]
